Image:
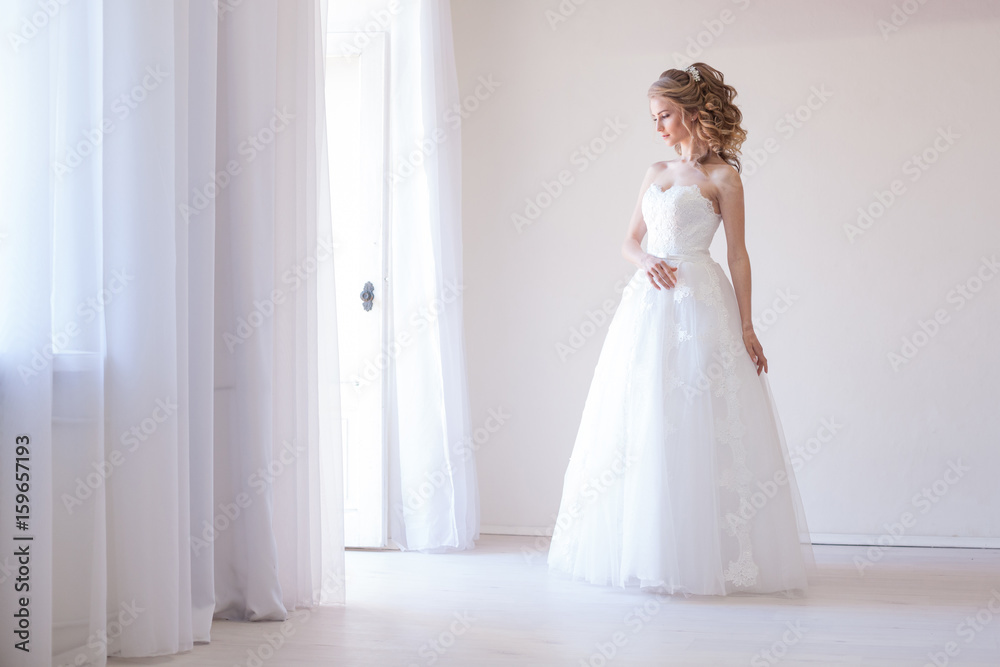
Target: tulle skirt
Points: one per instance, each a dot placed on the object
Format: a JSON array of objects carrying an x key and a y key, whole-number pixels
[{"x": 679, "y": 479}]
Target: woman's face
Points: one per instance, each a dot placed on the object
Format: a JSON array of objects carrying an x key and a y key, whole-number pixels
[{"x": 667, "y": 120}]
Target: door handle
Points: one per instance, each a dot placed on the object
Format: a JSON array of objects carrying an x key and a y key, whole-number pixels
[{"x": 368, "y": 295}]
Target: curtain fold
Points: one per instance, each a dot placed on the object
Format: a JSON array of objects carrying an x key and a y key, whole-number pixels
[
  {"x": 198, "y": 130},
  {"x": 149, "y": 495},
  {"x": 434, "y": 494},
  {"x": 164, "y": 296}
]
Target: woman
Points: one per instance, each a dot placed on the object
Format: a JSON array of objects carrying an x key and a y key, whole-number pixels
[{"x": 679, "y": 480}]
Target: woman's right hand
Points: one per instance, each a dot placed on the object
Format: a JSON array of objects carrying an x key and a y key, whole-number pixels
[{"x": 659, "y": 272}]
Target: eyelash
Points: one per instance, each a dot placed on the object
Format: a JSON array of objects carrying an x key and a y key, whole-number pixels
[{"x": 664, "y": 116}]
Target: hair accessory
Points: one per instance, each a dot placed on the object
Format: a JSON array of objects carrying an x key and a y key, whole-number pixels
[{"x": 693, "y": 71}]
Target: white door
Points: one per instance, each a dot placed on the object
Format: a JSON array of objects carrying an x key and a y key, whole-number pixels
[{"x": 357, "y": 126}]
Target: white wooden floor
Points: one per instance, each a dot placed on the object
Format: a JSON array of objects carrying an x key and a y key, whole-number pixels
[{"x": 496, "y": 605}]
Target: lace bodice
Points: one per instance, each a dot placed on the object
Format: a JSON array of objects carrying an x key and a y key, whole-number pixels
[{"x": 679, "y": 220}]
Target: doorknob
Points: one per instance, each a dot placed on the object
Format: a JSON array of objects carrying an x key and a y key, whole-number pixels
[{"x": 368, "y": 295}]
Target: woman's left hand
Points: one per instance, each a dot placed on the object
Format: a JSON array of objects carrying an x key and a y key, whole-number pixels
[{"x": 754, "y": 349}]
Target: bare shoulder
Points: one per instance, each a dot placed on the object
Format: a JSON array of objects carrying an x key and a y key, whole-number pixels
[
  {"x": 726, "y": 178},
  {"x": 657, "y": 168},
  {"x": 652, "y": 174}
]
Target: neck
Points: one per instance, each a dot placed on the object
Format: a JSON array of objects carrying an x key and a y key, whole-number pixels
[{"x": 688, "y": 152}]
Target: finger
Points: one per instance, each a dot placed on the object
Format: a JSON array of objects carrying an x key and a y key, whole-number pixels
[
  {"x": 662, "y": 275},
  {"x": 667, "y": 276}
]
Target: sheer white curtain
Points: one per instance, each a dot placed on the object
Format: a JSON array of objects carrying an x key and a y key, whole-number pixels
[
  {"x": 434, "y": 494},
  {"x": 164, "y": 293}
]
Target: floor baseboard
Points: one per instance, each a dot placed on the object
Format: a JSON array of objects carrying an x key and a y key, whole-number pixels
[{"x": 859, "y": 539}]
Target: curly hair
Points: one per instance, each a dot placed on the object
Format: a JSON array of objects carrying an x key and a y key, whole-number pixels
[{"x": 709, "y": 103}]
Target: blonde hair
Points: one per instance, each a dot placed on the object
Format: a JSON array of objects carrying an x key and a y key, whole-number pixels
[{"x": 709, "y": 102}]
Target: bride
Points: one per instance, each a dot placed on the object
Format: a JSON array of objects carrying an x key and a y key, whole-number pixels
[{"x": 679, "y": 480}]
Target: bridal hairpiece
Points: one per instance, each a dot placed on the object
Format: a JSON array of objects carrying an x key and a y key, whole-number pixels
[{"x": 693, "y": 71}]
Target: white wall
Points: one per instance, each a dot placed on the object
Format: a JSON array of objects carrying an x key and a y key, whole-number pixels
[{"x": 897, "y": 429}]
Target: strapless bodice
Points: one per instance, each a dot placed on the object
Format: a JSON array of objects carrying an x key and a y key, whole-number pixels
[{"x": 679, "y": 220}]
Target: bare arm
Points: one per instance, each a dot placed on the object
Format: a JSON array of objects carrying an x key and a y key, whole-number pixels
[
  {"x": 731, "y": 204},
  {"x": 657, "y": 270}
]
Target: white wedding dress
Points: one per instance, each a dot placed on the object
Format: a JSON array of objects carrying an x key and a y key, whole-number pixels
[{"x": 679, "y": 480}]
